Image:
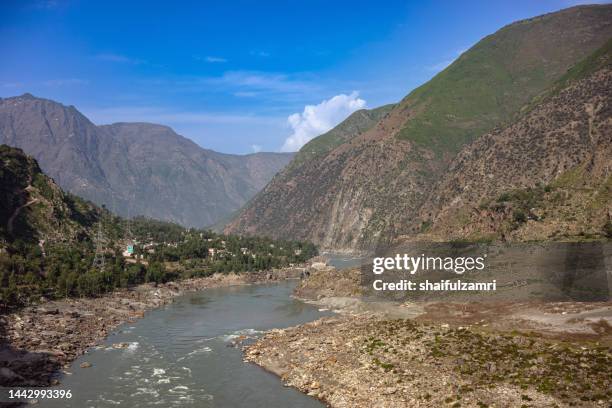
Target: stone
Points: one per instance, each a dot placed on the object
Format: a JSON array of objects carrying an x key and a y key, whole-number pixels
[
  {"x": 120, "y": 345},
  {"x": 9, "y": 375}
]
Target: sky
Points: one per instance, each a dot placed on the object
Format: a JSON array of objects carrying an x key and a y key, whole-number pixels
[{"x": 238, "y": 76}]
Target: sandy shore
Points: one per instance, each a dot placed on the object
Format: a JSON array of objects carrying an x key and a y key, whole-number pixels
[{"x": 40, "y": 340}]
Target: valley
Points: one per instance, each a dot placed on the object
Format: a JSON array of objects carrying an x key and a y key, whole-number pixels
[{"x": 138, "y": 268}]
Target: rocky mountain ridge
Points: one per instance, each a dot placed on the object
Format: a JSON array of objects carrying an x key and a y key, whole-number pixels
[{"x": 134, "y": 168}]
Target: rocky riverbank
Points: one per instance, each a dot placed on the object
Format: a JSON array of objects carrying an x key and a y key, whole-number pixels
[
  {"x": 363, "y": 361},
  {"x": 445, "y": 354},
  {"x": 42, "y": 339}
]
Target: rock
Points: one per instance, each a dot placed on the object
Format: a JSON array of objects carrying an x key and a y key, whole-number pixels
[
  {"x": 120, "y": 345},
  {"x": 43, "y": 310},
  {"x": 7, "y": 375},
  {"x": 85, "y": 364},
  {"x": 319, "y": 266},
  {"x": 389, "y": 391}
]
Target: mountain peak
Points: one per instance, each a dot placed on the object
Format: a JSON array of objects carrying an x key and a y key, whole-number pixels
[{"x": 134, "y": 168}]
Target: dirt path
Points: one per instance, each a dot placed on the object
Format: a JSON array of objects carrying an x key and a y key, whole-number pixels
[{"x": 9, "y": 224}]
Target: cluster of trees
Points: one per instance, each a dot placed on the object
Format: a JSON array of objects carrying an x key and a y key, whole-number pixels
[
  {"x": 47, "y": 248},
  {"x": 206, "y": 252},
  {"x": 163, "y": 252},
  {"x": 66, "y": 271}
]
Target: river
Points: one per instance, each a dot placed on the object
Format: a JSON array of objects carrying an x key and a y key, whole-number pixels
[
  {"x": 342, "y": 261},
  {"x": 181, "y": 354}
]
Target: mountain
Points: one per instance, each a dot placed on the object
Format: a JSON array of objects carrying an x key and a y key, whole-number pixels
[
  {"x": 546, "y": 176},
  {"x": 368, "y": 186},
  {"x": 134, "y": 168},
  {"x": 35, "y": 209}
]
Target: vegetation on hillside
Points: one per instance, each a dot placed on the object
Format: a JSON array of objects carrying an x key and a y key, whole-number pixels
[
  {"x": 48, "y": 243},
  {"x": 488, "y": 84}
]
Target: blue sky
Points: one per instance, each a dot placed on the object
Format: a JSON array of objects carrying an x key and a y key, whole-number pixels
[{"x": 238, "y": 76}]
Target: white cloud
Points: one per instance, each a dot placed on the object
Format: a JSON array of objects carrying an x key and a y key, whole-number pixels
[
  {"x": 583, "y": 2},
  {"x": 245, "y": 94},
  {"x": 262, "y": 81},
  {"x": 65, "y": 81},
  {"x": 12, "y": 85},
  {"x": 45, "y": 4},
  {"x": 171, "y": 116},
  {"x": 318, "y": 119},
  {"x": 263, "y": 54},
  {"x": 294, "y": 88},
  {"x": 440, "y": 65},
  {"x": 209, "y": 58},
  {"x": 118, "y": 58},
  {"x": 248, "y": 84},
  {"x": 215, "y": 59},
  {"x": 256, "y": 148}
]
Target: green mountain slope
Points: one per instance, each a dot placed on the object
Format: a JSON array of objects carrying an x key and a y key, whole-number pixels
[
  {"x": 34, "y": 209},
  {"x": 490, "y": 82},
  {"x": 369, "y": 188},
  {"x": 547, "y": 176}
]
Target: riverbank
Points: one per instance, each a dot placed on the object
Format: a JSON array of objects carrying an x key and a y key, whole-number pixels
[
  {"x": 42, "y": 339},
  {"x": 434, "y": 354}
]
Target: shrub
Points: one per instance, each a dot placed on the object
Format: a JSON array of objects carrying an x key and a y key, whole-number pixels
[
  {"x": 607, "y": 229},
  {"x": 519, "y": 216}
]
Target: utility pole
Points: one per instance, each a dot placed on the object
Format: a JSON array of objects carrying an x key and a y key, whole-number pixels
[
  {"x": 98, "y": 262},
  {"x": 128, "y": 237},
  {"x": 128, "y": 226}
]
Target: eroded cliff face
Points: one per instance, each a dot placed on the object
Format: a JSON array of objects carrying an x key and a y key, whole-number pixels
[
  {"x": 369, "y": 187},
  {"x": 346, "y": 199}
]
